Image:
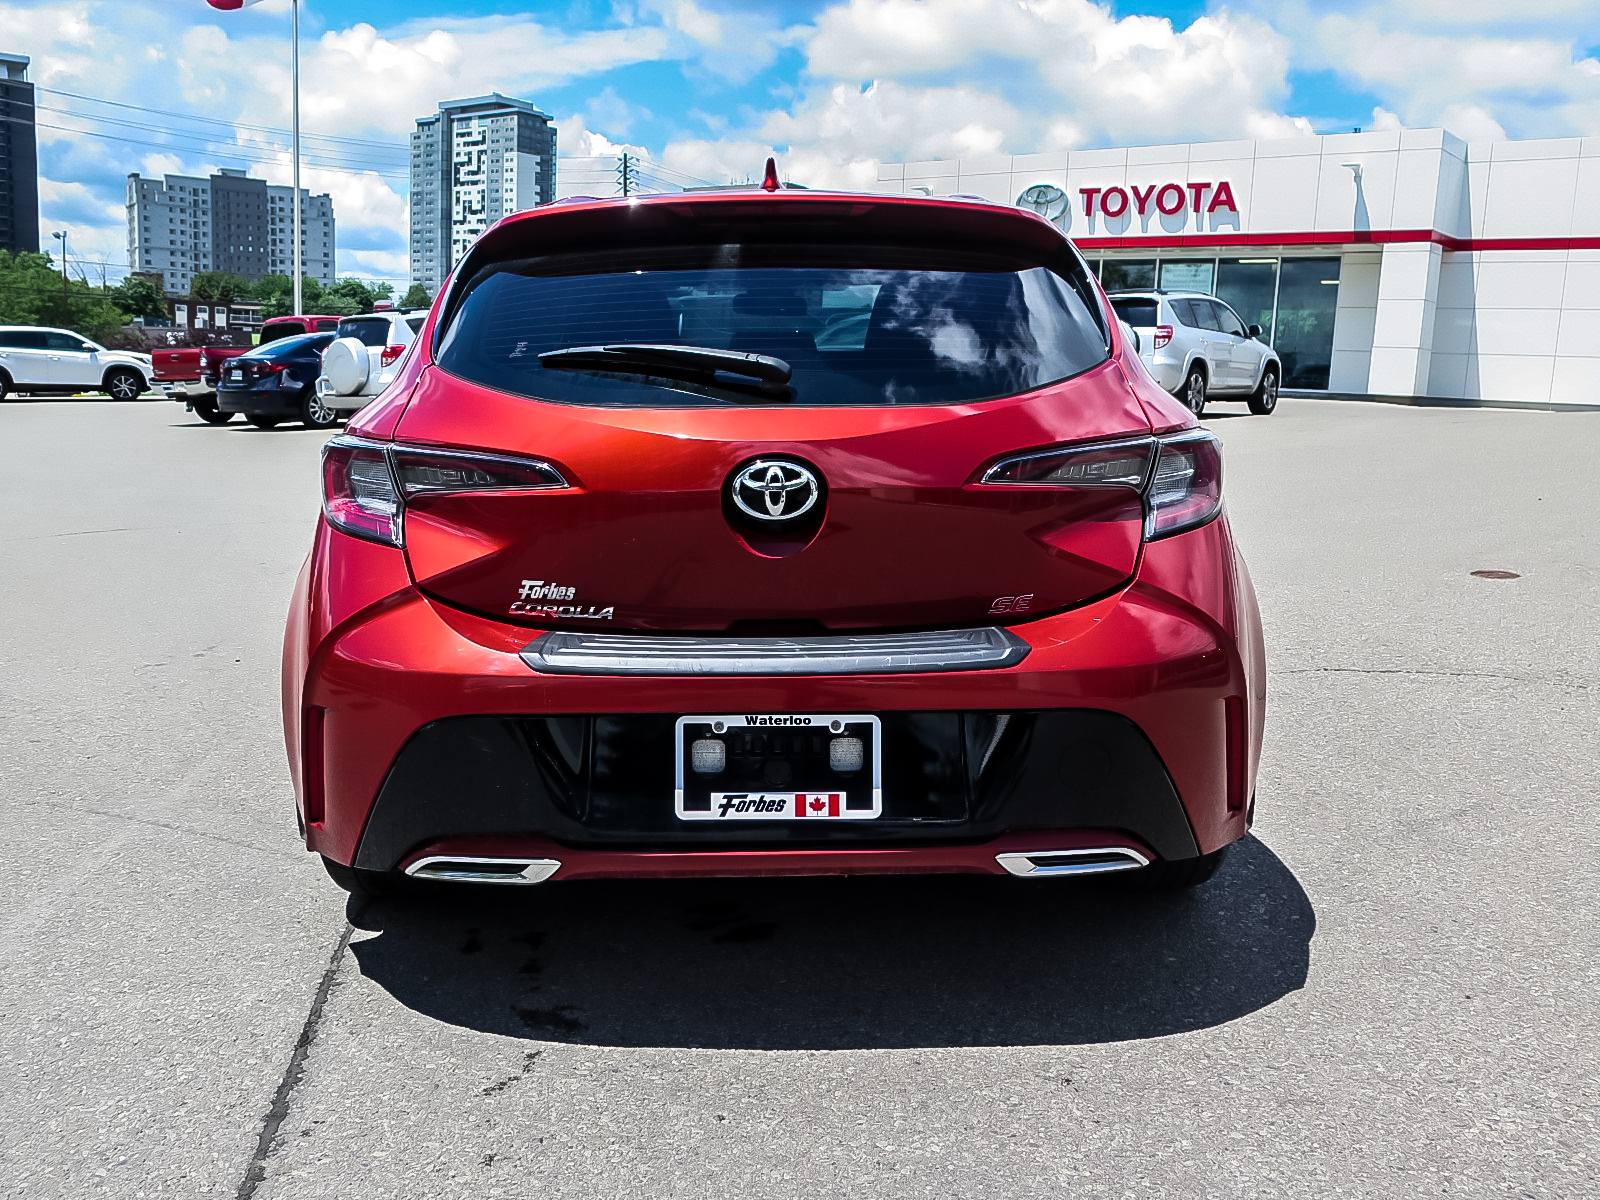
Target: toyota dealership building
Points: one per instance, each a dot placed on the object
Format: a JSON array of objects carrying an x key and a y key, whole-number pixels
[{"x": 1403, "y": 263}]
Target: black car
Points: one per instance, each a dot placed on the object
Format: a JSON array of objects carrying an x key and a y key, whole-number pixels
[{"x": 277, "y": 381}]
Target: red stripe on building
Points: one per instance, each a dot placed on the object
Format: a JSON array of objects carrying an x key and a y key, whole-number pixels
[{"x": 1347, "y": 237}]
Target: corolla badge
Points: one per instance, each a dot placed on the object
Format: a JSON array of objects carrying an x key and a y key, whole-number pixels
[{"x": 774, "y": 490}]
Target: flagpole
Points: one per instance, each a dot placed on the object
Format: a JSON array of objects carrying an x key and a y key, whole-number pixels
[{"x": 299, "y": 306}]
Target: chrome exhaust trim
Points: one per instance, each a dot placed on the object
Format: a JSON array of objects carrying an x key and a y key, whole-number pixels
[
  {"x": 467, "y": 869},
  {"x": 1100, "y": 860}
]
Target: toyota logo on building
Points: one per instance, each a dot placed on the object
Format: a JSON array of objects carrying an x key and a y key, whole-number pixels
[
  {"x": 1049, "y": 201},
  {"x": 775, "y": 490}
]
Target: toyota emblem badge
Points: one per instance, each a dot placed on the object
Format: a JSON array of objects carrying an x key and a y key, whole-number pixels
[{"x": 773, "y": 490}]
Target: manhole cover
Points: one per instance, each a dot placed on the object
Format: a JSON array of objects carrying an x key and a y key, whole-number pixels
[{"x": 1495, "y": 575}]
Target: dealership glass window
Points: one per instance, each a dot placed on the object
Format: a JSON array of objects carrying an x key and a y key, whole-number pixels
[
  {"x": 1249, "y": 286},
  {"x": 1308, "y": 298},
  {"x": 1128, "y": 275},
  {"x": 1187, "y": 274}
]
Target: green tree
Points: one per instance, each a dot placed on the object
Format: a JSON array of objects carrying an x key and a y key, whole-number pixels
[
  {"x": 139, "y": 297},
  {"x": 219, "y": 287},
  {"x": 276, "y": 293},
  {"x": 32, "y": 292},
  {"x": 349, "y": 296},
  {"x": 417, "y": 297}
]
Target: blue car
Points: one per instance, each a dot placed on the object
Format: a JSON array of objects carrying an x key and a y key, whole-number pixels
[{"x": 276, "y": 382}]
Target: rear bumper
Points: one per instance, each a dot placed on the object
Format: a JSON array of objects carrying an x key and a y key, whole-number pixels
[
  {"x": 593, "y": 784},
  {"x": 984, "y": 858},
  {"x": 260, "y": 402},
  {"x": 413, "y": 729},
  {"x": 353, "y": 403}
]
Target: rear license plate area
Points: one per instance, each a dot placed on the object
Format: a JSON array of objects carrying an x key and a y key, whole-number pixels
[{"x": 779, "y": 767}]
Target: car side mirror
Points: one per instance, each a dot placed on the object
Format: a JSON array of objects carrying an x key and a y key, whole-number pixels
[
  {"x": 89, "y": 349},
  {"x": 1253, "y": 330}
]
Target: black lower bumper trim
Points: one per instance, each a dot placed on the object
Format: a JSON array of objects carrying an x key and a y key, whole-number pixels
[
  {"x": 266, "y": 403},
  {"x": 607, "y": 781}
]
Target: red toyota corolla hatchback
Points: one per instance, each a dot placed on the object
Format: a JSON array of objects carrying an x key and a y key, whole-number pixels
[{"x": 764, "y": 533}]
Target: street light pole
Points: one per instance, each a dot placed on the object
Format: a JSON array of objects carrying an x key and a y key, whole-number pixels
[
  {"x": 299, "y": 305},
  {"x": 62, "y": 234}
]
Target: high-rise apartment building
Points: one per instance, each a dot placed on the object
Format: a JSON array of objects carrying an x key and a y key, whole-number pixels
[
  {"x": 19, "y": 158},
  {"x": 473, "y": 162},
  {"x": 184, "y": 224}
]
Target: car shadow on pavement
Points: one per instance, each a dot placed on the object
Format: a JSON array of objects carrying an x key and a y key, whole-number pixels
[{"x": 872, "y": 962}]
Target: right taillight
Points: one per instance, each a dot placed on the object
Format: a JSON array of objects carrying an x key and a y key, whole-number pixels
[
  {"x": 365, "y": 485},
  {"x": 389, "y": 354},
  {"x": 1163, "y": 335},
  {"x": 1179, "y": 475},
  {"x": 1186, "y": 488}
]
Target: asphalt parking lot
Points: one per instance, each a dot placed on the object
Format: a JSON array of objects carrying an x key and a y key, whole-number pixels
[{"x": 1390, "y": 990}]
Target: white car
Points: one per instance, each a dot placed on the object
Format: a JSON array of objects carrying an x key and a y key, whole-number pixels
[
  {"x": 40, "y": 360},
  {"x": 365, "y": 357},
  {"x": 1198, "y": 349}
]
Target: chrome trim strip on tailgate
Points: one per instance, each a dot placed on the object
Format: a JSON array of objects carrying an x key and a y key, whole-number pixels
[{"x": 854, "y": 654}]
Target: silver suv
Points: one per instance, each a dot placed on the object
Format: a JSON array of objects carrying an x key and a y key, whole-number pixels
[
  {"x": 1198, "y": 349},
  {"x": 365, "y": 357}
]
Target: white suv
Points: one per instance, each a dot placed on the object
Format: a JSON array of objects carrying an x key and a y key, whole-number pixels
[
  {"x": 59, "y": 361},
  {"x": 365, "y": 357},
  {"x": 1198, "y": 349}
]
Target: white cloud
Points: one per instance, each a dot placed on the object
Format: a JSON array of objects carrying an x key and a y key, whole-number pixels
[
  {"x": 968, "y": 77},
  {"x": 1480, "y": 68}
]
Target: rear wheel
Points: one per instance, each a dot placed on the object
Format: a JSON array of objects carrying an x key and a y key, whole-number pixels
[
  {"x": 208, "y": 412},
  {"x": 1194, "y": 391},
  {"x": 1170, "y": 875},
  {"x": 315, "y": 413},
  {"x": 5, "y": 385},
  {"x": 1265, "y": 398},
  {"x": 356, "y": 880},
  {"x": 123, "y": 384},
  {"x": 262, "y": 422}
]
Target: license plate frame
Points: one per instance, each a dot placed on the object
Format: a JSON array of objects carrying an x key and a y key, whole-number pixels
[{"x": 858, "y": 797}]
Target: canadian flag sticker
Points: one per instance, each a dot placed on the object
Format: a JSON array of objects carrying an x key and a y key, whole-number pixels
[{"x": 818, "y": 804}]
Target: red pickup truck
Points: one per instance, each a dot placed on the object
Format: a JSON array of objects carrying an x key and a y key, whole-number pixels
[{"x": 189, "y": 373}]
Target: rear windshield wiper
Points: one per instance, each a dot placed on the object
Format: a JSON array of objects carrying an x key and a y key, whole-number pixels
[{"x": 693, "y": 364}]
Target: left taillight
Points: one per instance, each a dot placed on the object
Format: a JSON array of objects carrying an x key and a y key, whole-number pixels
[
  {"x": 359, "y": 495},
  {"x": 365, "y": 485},
  {"x": 390, "y": 354}
]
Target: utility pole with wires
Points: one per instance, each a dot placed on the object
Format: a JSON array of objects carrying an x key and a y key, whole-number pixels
[{"x": 628, "y": 174}]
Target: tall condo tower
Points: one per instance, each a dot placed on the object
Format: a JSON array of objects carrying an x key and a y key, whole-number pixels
[
  {"x": 19, "y": 158},
  {"x": 473, "y": 162}
]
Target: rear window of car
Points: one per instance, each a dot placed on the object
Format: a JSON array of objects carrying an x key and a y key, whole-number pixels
[
  {"x": 415, "y": 323},
  {"x": 370, "y": 333},
  {"x": 1141, "y": 314},
  {"x": 290, "y": 347},
  {"x": 22, "y": 339},
  {"x": 857, "y": 326},
  {"x": 271, "y": 333}
]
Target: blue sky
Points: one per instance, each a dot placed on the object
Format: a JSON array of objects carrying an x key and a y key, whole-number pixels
[{"x": 706, "y": 89}]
